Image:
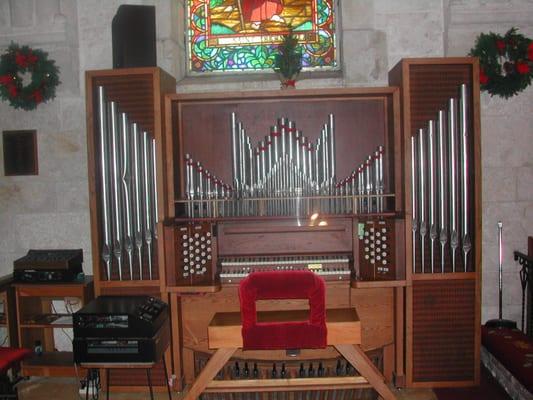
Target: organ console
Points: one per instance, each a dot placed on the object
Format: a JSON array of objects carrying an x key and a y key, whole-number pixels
[
  {"x": 285, "y": 181},
  {"x": 352, "y": 184}
]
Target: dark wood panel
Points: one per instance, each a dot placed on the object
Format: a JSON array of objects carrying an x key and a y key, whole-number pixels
[
  {"x": 137, "y": 377},
  {"x": 443, "y": 330},
  {"x": 361, "y": 125},
  {"x": 284, "y": 237},
  {"x": 430, "y": 89},
  {"x": 133, "y": 94}
]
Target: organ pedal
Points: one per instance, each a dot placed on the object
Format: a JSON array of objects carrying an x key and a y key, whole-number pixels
[{"x": 344, "y": 333}]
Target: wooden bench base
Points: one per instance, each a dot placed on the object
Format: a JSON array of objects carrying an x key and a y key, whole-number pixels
[{"x": 344, "y": 333}]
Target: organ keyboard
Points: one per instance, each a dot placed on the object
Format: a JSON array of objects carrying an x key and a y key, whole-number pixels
[{"x": 331, "y": 268}]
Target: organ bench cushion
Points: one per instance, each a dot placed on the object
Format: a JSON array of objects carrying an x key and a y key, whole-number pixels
[
  {"x": 343, "y": 326},
  {"x": 305, "y": 333}
]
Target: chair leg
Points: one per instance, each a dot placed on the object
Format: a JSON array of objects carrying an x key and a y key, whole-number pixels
[
  {"x": 215, "y": 363},
  {"x": 107, "y": 379},
  {"x": 149, "y": 377},
  {"x": 166, "y": 378},
  {"x": 355, "y": 356}
]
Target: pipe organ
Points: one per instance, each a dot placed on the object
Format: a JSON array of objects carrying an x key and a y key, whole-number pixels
[
  {"x": 128, "y": 194},
  {"x": 374, "y": 189}
]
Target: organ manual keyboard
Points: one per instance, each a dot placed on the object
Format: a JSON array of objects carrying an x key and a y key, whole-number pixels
[{"x": 331, "y": 268}]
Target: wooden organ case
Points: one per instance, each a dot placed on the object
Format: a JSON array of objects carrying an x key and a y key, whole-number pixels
[
  {"x": 440, "y": 115},
  {"x": 125, "y": 124},
  {"x": 310, "y": 179},
  {"x": 283, "y": 180}
]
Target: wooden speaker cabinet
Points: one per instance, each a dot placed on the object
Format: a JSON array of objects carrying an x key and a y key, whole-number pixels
[
  {"x": 135, "y": 94},
  {"x": 441, "y": 138}
]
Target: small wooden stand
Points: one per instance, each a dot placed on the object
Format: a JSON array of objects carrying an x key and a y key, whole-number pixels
[
  {"x": 344, "y": 333},
  {"x": 109, "y": 366}
]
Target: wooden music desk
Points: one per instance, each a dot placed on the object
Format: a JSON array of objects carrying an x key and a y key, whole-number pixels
[{"x": 344, "y": 333}]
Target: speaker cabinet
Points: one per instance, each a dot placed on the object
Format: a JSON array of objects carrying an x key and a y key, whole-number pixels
[
  {"x": 133, "y": 31},
  {"x": 443, "y": 330}
]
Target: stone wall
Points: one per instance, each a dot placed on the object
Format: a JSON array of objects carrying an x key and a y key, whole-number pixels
[{"x": 51, "y": 209}]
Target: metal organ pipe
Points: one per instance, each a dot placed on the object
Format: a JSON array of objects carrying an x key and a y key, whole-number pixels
[
  {"x": 234, "y": 149},
  {"x": 138, "y": 187},
  {"x": 148, "y": 200},
  {"x": 280, "y": 169},
  {"x": 452, "y": 137},
  {"x": 126, "y": 188},
  {"x": 128, "y": 191},
  {"x": 154, "y": 185},
  {"x": 104, "y": 167},
  {"x": 422, "y": 193},
  {"x": 443, "y": 192},
  {"x": 463, "y": 131},
  {"x": 432, "y": 192},
  {"x": 118, "y": 236},
  {"x": 414, "y": 197},
  {"x": 333, "y": 157}
]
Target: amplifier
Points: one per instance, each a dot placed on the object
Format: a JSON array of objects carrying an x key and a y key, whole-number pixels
[
  {"x": 122, "y": 350},
  {"x": 48, "y": 266},
  {"x": 120, "y": 317}
]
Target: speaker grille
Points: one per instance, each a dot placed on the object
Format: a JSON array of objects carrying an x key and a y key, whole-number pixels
[
  {"x": 134, "y": 95},
  {"x": 443, "y": 330},
  {"x": 430, "y": 88}
]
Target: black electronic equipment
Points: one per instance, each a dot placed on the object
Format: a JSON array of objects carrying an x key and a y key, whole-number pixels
[
  {"x": 122, "y": 350},
  {"x": 134, "y": 37},
  {"x": 49, "y": 266},
  {"x": 120, "y": 317},
  {"x": 121, "y": 329}
]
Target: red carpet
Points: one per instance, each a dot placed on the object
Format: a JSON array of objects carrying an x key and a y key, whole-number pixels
[{"x": 487, "y": 390}]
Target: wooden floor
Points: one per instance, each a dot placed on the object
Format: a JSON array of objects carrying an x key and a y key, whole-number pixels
[{"x": 67, "y": 389}]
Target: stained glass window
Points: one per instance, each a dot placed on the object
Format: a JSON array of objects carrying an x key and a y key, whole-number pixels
[{"x": 242, "y": 35}]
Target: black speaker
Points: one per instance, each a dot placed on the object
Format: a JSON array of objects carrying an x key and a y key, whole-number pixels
[{"x": 133, "y": 31}]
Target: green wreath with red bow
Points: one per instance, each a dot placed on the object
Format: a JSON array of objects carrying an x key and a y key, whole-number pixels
[
  {"x": 506, "y": 62},
  {"x": 27, "y": 77}
]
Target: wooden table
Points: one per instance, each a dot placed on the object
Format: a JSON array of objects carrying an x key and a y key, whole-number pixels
[
  {"x": 344, "y": 333},
  {"x": 110, "y": 365}
]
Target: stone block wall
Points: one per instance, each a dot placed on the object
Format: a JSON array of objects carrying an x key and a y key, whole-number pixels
[{"x": 51, "y": 209}]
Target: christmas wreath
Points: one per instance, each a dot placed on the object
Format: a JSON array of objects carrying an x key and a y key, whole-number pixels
[
  {"x": 27, "y": 77},
  {"x": 506, "y": 62}
]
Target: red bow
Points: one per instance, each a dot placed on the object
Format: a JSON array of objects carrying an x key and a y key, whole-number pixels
[
  {"x": 483, "y": 77},
  {"x": 6, "y": 80},
  {"x": 25, "y": 60},
  {"x": 522, "y": 67},
  {"x": 13, "y": 91},
  {"x": 37, "y": 96}
]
